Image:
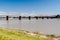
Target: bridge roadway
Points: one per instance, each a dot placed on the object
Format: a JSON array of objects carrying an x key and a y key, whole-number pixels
[{"x": 37, "y": 17}]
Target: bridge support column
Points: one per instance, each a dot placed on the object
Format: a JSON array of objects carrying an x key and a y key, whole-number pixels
[
  {"x": 36, "y": 18},
  {"x": 19, "y": 17},
  {"x": 7, "y": 18},
  {"x": 29, "y": 17}
]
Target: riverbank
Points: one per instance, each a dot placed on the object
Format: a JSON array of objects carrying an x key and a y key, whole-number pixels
[{"x": 10, "y": 34}]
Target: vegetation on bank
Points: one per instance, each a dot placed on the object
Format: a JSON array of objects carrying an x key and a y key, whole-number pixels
[{"x": 7, "y": 34}]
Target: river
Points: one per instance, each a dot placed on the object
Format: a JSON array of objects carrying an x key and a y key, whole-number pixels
[{"x": 47, "y": 26}]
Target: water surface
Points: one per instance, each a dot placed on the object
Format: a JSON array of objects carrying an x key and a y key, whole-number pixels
[{"x": 47, "y": 26}]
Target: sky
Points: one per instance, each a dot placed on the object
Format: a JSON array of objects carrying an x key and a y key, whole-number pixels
[{"x": 30, "y": 7}]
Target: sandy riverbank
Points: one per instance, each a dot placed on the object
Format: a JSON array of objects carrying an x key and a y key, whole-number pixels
[{"x": 10, "y": 34}]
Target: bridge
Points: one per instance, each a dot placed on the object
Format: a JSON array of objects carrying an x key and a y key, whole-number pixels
[{"x": 29, "y": 17}]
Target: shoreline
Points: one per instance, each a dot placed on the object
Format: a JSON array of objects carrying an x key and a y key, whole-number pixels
[{"x": 34, "y": 34}]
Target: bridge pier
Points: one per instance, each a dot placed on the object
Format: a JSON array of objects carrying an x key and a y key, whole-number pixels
[
  {"x": 42, "y": 17},
  {"x": 47, "y": 17},
  {"x": 19, "y": 17},
  {"x": 36, "y": 18},
  {"x": 7, "y": 18},
  {"x": 29, "y": 17}
]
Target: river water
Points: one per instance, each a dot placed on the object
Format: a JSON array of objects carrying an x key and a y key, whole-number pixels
[{"x": 47, "y": 26}]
